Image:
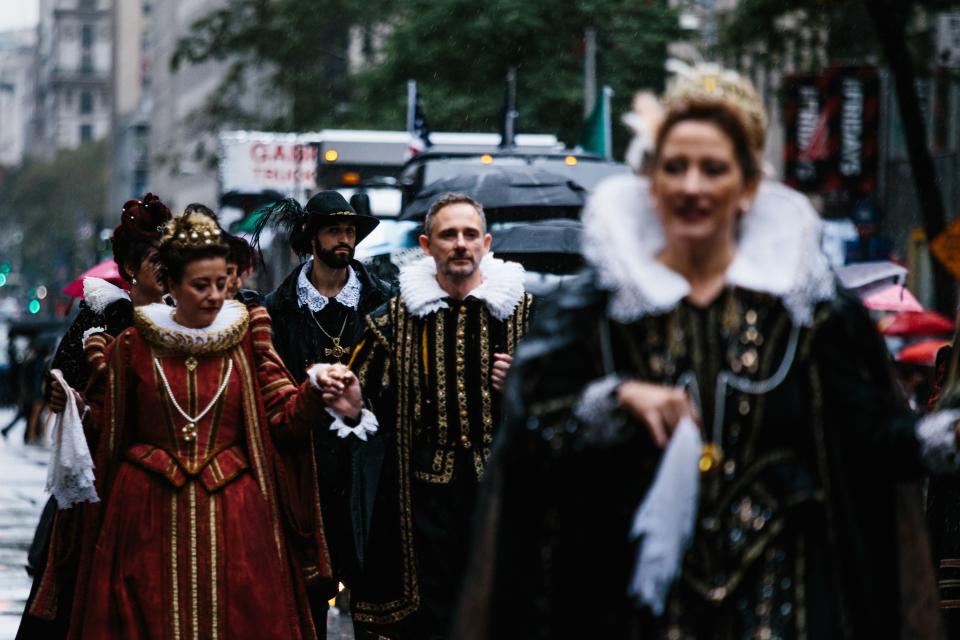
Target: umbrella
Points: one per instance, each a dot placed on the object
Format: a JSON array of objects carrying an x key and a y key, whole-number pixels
[
  {"x": 894, "y": 297},
  {"x": 865, "y": 274},
  {"x": 550, "y": 246},
  {"x": 521, "y": 193},
  {"x": 922, "y": 353},
  {"x": 106, "y": 270},
  {"x": 915, "y": 323}
]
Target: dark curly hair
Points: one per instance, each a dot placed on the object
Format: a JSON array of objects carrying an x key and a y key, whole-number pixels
[
  {"x": 241, "y": 253},
  {"x": 139, "y": 231}
]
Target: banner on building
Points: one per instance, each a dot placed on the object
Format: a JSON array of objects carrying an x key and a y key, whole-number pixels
[{"x": 832, "y": 127}]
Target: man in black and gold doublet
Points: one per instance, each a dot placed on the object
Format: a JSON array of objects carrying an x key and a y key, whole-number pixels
[{"x": 427, "y": 370}]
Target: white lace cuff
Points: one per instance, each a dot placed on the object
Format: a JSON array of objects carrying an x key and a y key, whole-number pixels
[
  {"x": 314, "y": 371},
  {"x": 89, "y": 332},
  {"x": 937, "y": 434},
  {"x": 368, "y": 424},
  {"x": 597, "y": 410}
]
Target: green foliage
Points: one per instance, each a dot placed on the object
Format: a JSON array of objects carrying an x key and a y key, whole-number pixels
[
  {"x": 458, "y": 51},
  {"x": 49, "y": 200},
  {"x": 300, "y": 45}
]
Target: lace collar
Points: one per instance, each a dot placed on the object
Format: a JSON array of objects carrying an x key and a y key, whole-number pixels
[
  {"x": 100, "y": 294},
  {"x": 778, "y": 252},
  {"x": 501, "y": 289},
  {"x": 156, "y": 324},
  {"x": 308, "y": 296}
]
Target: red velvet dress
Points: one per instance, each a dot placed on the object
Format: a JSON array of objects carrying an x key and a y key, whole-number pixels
[{"x": 199, "y": 526}]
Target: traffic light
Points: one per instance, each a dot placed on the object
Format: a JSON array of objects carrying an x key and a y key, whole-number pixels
[
  {"x": 34, "y": 306},
  {"x": 3, "y": 279}
]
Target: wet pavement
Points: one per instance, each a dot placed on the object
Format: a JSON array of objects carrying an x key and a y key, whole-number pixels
[{"x": 23, "y": 474}]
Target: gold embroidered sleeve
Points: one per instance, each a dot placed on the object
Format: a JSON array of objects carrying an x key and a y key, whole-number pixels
[{"x": 291, "y": 411}]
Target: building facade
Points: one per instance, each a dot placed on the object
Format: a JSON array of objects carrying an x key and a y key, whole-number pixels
[
  {"x": 17, "y": 84},
  {"x": 74, "y": 59}
]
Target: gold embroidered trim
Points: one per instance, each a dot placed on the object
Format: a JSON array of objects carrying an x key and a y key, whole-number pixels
[
  {"x": 177, "y": 341},
  {"x": 175, "y": 574},
  {"x": 443, "y": 463},
  {"x": 460, "y": 369},
  {"x": 214, "y": 604},
  {"x": 194, "y": 566},
  {"x": 440, "y": 367},
  {"x": 487, "y": 411}
]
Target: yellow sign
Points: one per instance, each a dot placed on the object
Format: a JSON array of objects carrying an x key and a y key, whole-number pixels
[{"x": 946, "y": 248}]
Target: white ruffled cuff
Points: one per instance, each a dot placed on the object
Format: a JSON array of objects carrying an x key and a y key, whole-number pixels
[
  {"x": 937, "y": 434},
  {"x": 597, "y": 410},
  {"x": 367, "y": 426},
  {"x": 89, "y": 332},
  {"x": 314, "y": 371}
]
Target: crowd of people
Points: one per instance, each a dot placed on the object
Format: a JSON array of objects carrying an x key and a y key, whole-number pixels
[{"x": 700, "y": 434}]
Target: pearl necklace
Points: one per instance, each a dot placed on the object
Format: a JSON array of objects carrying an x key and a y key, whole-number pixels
[{"x": 189, "y": 430}]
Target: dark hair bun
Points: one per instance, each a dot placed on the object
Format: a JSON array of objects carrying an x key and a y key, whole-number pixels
[
  {"x": 141, "y": 224},
  {"x": 144, "y": 219}
]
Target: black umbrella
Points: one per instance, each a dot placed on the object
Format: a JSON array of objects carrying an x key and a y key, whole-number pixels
[
  {"x": 550, "y": 246},
  {"x": 522, "y": 193}
]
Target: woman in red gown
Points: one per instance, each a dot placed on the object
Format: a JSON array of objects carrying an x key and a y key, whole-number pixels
[{"x": 209, "y": 522}]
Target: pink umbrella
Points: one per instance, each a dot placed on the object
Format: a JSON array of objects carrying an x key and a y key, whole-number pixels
[
  {"x": 896, "y": 297},
  {"x": 106, "y": 270},
  {"x": 922, "y": 353}
]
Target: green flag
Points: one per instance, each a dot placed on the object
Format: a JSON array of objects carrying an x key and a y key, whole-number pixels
[{"x": 598, "y": 127}]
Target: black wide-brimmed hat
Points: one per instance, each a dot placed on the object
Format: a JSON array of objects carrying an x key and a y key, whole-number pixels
[{"x": 323, "y": 209}]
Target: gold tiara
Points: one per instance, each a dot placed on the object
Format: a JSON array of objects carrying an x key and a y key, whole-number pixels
[
  {"x": 711, "y": 83},
  {"x": 192, "y": 231}
]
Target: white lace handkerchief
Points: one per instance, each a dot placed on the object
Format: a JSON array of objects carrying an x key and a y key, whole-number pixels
[
  {"x": 664, "y": 522},
  {"x": 70, "y": 473}
]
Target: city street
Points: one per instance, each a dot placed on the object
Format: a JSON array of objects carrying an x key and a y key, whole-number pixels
[{"x": 23, "y": 473}]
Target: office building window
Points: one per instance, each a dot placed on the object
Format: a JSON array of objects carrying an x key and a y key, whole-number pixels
[
  {"x": 86, "y": 35},
  {"x": 86, "y": 133},
  {"x": 86, "y": 63},
  {"x": 86, "y": 102}
]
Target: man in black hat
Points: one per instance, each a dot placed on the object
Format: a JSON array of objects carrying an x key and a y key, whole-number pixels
[{"x": 318, "y": 317}]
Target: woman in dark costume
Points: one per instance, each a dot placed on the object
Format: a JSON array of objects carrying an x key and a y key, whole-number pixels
[
  {"x": 707, "y": 298},
  {"x": 105, "y": 307}
]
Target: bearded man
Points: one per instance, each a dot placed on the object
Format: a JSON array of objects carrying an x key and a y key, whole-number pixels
[
  {"x": 430, "y": 368},
  {"x": 318, "y": 317}
]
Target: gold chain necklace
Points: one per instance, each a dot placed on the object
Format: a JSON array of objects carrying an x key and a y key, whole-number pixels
[
  {"x": 337, "y": 351},
  {"x": 189, "y": 430}
]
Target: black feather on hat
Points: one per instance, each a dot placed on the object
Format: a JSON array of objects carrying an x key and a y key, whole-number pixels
[{"x": 301, "y": 223}]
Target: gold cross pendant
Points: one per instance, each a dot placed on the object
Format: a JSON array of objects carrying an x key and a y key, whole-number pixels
[{"x": 337, "y": 351}]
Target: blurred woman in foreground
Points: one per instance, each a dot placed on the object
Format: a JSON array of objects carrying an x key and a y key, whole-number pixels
[{"x": 707, "y": 370}]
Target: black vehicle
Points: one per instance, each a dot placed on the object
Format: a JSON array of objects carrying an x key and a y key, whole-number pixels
[{"x": 585, "y": 169}]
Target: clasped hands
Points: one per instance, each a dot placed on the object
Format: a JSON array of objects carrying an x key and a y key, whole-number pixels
[
  {"x": 660, "y": 408},
  {"x": 340, "y": 389}
]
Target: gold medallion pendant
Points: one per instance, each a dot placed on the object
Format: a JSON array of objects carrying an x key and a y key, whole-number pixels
[
  {"x": 337, "y": 351},
  {"x": 710, "y": 457}
]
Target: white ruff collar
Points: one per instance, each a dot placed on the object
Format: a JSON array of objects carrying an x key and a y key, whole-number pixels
[
  {"x": 156, "y": 323},
  {"x": 501, "y": 289},
  {"x": 100, "y": 294},
  {"x": 308, "y": 296},
  {"x": 778, "y": 251}
]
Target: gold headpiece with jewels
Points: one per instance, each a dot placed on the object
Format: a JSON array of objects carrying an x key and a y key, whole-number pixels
[
  {"x": 192, "y": 231},
  {"x": 711, "y": 83}
]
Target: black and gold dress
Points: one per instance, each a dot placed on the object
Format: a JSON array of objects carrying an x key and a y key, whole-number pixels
[{"x": 796, "y": 530}]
